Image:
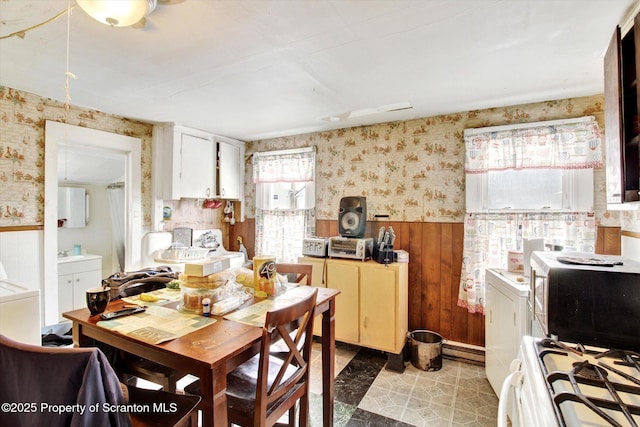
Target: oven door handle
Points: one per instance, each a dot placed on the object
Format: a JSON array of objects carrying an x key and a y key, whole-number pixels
[{"x": 513, "y": 381}]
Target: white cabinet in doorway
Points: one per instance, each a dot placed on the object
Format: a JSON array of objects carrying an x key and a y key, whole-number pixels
[{"x": 76, "y": 274}]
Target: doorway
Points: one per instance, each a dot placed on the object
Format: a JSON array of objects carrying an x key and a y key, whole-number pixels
[{"x": 61, "y": 136}]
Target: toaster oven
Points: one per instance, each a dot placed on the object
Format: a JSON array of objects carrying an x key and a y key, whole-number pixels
[
  {"x": 350, "y": 247},
  {"x": 315, "y": 246}
]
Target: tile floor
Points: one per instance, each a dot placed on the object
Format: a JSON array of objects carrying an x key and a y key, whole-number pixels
[{"x": 366, "y": 394}]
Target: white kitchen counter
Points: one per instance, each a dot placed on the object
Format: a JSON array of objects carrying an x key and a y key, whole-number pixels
[{"x": 76, "y": 258}]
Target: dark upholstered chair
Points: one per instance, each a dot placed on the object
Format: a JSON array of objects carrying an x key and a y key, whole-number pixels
[{"x": 82, "y": 377}]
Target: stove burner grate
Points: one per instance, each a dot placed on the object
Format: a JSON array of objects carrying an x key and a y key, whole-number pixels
[{"x": 586, "y": 373}]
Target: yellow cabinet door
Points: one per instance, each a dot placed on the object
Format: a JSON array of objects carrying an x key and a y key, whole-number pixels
[
  {"x": 378, "y": 305},
  {"x": 343, "y": 276}
]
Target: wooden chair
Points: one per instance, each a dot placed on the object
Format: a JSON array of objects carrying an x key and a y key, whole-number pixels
[
  {"x": 178, "y": 410},
  {"x": 301, "y": 271},
  {"x": 131, "y": 367},
  {"x": 82, "y": 377},
  {"x": 266, "y": 387}
]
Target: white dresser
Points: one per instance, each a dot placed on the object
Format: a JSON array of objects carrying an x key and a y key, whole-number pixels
[{"x": 506, "y": 322}]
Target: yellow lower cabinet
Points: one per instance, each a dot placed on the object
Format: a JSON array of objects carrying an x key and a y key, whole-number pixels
[
  {"x": 372, "y": 308},
  {"x": 378, "y": 307},
  {"x": 344, "y": 276}
]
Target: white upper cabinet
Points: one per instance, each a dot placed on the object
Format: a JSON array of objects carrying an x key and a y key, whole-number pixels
[
  {"x": 197, "y": 167},
  {"x": 184, "y": 163},
  {"x": 72, "y": 207},
  {"x": 230, "y": 168},
  {"x": 193, "y": 164}
]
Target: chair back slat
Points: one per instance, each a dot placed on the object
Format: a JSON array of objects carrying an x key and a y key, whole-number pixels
[
  {"x": 302, "y": 271},
  {"x": 291, "y": 380}
]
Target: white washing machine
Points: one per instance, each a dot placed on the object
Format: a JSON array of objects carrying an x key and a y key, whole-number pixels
[{"x": 20, "y": 313}]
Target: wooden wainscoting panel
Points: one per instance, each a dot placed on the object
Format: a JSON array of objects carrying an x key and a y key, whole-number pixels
[
  {"x": 431, "y": 285},
  {"x": 608, "y": 241},
  {"x": 459, "y": 316},
  {"x": 446, "y": 276},
  {"x": 246, "y": 229},
  {"x": 414, "y": 247}
]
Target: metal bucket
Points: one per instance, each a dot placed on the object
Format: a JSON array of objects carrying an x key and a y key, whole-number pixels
[{"x": 425, "y": 350}]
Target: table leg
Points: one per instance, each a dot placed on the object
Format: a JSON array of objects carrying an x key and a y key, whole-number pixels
[
  {"x": 79, "y": 339},
  {"x": 213, "y": 386},
  {"x": 328, "y": 362}
]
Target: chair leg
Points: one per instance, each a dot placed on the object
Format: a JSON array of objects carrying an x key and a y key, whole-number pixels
[
  {"x": 304, "y": 411},
  {"x": 169, "y": 384},
  {"x": 193, "y": 422},
  {"x": 292, "y": 416}
]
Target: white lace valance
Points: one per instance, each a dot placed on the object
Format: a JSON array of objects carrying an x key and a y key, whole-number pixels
[
  {"x": 558, "y": 145},
  {"x": 284, "y": 166}
]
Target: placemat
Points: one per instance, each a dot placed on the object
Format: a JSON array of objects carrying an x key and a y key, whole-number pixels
[
  {"x": 256, "y": 314},
  {"x": 157, "y": 324}
]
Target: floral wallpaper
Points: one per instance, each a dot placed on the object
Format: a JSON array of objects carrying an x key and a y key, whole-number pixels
[
  {"x": 414, "y": 170},
  {"x": 22, "y": 142},
  {"x": 411, "y": 170}
]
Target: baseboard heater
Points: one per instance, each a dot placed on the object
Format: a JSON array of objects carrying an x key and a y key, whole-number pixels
[{"x": 464, "y": 352}]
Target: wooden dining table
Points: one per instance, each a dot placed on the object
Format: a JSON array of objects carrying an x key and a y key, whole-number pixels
[{"x": 212, "y": 351}]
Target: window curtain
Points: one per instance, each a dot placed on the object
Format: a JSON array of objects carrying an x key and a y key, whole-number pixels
[
  {"x": 279, "y": 232},
  {"x": 489, "y": 236},
  {"x": 284, "y": 166}
]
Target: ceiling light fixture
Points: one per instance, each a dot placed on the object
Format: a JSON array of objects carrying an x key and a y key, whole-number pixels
[{"x": 117, "y": 13}]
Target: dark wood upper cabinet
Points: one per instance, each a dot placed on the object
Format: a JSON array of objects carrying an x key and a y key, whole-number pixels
[{"x": 621, "y": 97}]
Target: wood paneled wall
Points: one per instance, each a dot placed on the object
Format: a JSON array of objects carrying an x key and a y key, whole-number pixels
[
  {"x": 435, "y": 259},
  {"x": 608, "y": 241}
]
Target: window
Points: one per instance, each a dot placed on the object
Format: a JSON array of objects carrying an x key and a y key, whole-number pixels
[
  {"x": 530, "y": 190},
  {"x": 526, "y": 181},
  {"x": 545, "y": 167},
  {"x": 285, "y": 201}
]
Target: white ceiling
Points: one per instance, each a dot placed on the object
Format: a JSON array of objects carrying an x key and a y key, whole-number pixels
[
  {"x": 254, "y": 69},
  {"x": 90, "y": 166}
]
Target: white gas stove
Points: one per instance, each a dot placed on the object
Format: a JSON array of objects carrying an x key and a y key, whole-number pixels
[
  {"x": 566, "y": 384},
  {"x": 158, "y": 249},
  {"x": 212, "y": 240}
]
